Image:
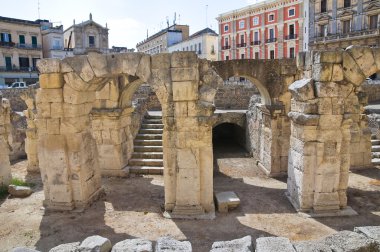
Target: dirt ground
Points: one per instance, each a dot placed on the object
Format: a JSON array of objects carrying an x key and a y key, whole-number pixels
[{"x": 132, "y": 208}]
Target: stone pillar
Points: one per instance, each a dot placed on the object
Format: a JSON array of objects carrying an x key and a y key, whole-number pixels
[
  {"x": 67, "y": 151},
  {"x": 5, "y": 133}
]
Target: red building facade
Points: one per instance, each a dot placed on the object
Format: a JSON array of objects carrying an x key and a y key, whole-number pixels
[{"x": 270, "y": 29}]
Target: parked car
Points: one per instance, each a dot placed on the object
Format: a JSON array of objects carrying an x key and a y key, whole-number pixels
[
  {"x": 18, "y": 84},
  {"x": 3, "y": 86}
]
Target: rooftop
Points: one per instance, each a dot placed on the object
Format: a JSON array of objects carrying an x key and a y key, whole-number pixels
[
  {"x": 22, "y": 21},
  {"x": 163, "y": 31}
]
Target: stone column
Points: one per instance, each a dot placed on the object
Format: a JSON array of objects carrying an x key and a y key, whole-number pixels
[
  {"x": 5, "y": 133},
  {"x": 67, "y": 151}
]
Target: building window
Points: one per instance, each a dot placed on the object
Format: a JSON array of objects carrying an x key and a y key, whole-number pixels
[
  {"x": 256, "y": 36},
  {"x": 22, "y": 39},
  {"x": 271, "y": 34},
  {"x": 271, "y": 17},
  {"x": 242, "y": 39},
  {"x": 226, "y": 42},
  {"x": 226, "y": 28},
  {"x": 191, "y": 48},
  {"x": 6, "y": 37},
  {"x": 271, "y": 54},
  {"x": 323, "y": 6},
  {"x": 24, "y": 63},
  {"x": 291, "y": 52},
  {"x": 323, "y": 30},
  {"x": 8, "y": 63},
  {"x": 241, "y": 24},
  {"x": 292, "y": 12},
  {"x": 373, "y": 20},
  {"x": 34, "y": 41},
  {"x": 257, "y": 55},
  {"x": 346, "y": 26},
  {"x": 256, "y": 21},
  {"x": 242, "y": 56},
  {"x": 196, "y": 49},
  {"x": 91, "y": 41},
  {"x": 227, "y": 57},
  {"x": 200, "y": 48},
  {"x": 347, "y": 3}
]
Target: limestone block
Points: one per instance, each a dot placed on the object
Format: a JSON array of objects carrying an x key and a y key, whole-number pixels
[
  {"x": 98, "y": 63},
  {"x": 133, "y": 245},
  {"x": 168, "y": 244},
  {"x": 327, "y": 182},
  {"x": 364, "y": 59},
  {"x": 330, "y": 121},
  {"x": 311, "y": 246},
  {"x": 226, "y": 201},
  {"x": 56, "y": 110},
  {"x": 242, "y": 245},
  {"x": 68, "y": 247},
  {"x": 309, "y": 107},
  {"x": 47, "y": 66},
  {"x": 343, "y": 180},
  {"x": 41, "y": 126},
  {"x": 114, "y": 92},
  {"x": 95, "y": 243},
  {"x": 53, "y": 126},
  {"x": 74, "y": 124},
  {"x": 304, "y": 119},
  {"x": 184, "y": 59},
  {"x": 104, "y": 93},
  {"x": 185, "y": 91},
  {"x": 19, "y": 191},
  {"x": 273, "y": 244},
  {"x": 144, "y": 69},
  {"x": 75, "y": 82},
  {"x": 81, "y": 67},
  {"x": 302, "y": 90},
  {"x": 337, "y": 106},
  {"x": 372, "y": 232},
  {"x": 350, "y": 241},
  {"x": 52, "y": 80},
  {"x": 327, "y": 57},
  {"x": 325, "y": 106},
  {"x": 73, "y": 96},
  {"x": 351, "y": 70},
  {"x": 76, "y": 110},
  {"x": 322, "y": 72},
  {"x": 43, "y": 110},
  {"x": 161, "y": 61},
  {"x": 180, "y": 109},
  {"x": 130, "y": 62},
  {"x": 376, "y": 55},
  {"x": 49, "y": 95},
  {"x": 326, "y": 201},
  {"x": 288, "y": 69},
  {"x": 337, "y": 73},
  {"x": 184, "y": 74}
]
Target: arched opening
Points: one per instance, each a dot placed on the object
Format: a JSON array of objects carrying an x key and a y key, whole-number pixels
[{"x": 229, "y": 139}]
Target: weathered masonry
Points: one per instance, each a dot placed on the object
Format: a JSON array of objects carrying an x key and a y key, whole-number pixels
[{"x": 309, "y": 124}]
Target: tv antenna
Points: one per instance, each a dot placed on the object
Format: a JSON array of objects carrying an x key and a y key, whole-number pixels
[
  {"x": 39, "y": 9},
  {"x": 206, "y": 15}
]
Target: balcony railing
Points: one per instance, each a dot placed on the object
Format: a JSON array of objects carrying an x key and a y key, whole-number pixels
[
  {"x": 18, "y": 69},
  {"x": 29, "y": 46},
  {"x": 226, "y": 47},
  {"x": 291, "y": 36},
  {"x": 351, "y": 34},
  {"x": 271, "y": 40},
  {"x": 258, "y": 42},
  {"x": 241, "y": 45},
  {"x": 7, "y": 44}
]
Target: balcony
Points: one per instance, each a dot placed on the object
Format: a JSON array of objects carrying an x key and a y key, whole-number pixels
[
  {"x": 17, "y": 69},
  {"x": 350, "y": 35},
  {"x": 291, "y": 36},
  {"x": 271, "y": 40},
  {"x": 7, "y": 44},
  {"x": 258, "y": 42},
  {"x": 227, "y": 47},
  {"x": 29, "y": 46},
  {"x": 241, "y": 45}
]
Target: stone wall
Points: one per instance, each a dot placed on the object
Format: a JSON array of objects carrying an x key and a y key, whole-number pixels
[
  {"x": 234, "y": 96},
  {"x": 14, "y": 96},
  {"x": 372, "y": 89},
  {"x": 145, "y": 92},
  {"x": 5, "y": 138}
]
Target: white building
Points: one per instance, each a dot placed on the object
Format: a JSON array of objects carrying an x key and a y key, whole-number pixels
[
  {"x": 52, "y": 42},
  {"x": 204, "y": 43}
]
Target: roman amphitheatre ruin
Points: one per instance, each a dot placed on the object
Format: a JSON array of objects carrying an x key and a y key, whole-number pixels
[{"x": 296, "y": 149}]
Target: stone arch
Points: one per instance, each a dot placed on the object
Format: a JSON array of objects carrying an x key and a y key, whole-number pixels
[
  {"x": 185, "y": 86},
  {"x": 324, "y": 109}
]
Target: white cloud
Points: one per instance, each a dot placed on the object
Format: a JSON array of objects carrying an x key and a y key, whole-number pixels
[{"x": 125, "y": 32}]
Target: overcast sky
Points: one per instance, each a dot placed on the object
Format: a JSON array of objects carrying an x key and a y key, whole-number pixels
[{"x": 128, "y": 20}]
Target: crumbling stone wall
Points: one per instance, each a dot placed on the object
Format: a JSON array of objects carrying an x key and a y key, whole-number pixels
[
  {"x": 234, "y": 96},
  {"x": 5, "y": 138},
  {"x": 145, "y": 92},
  {"x": 371, "y": 88},
  {"x": 328, "y": 130},
  {"x": 14, "y": 96}
]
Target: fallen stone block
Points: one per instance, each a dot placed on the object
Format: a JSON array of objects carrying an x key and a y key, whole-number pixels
[
  {"x": 68, "y": 247},
  {"x": 19, "y": 191},
  {"x": 95, "y": 243},
  {"x": 302, "y": 90},
  {"x": 23, "y": 249},
  {"x": 348, "y": 241},
  {"x": 133, "y": 245},
  {"x": 226, "y": 201},
  {"x": 168, "y": 244},
  {"x": 238, "y": 245},
  {"x": 311, "y": 246},
  {"x": 273, "y": 244},
  {"x": 372, "y": 232}
]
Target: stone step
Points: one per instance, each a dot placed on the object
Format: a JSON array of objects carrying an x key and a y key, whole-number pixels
[
  {"x": 148, "y": 149},
  {"x": 152, "y": 121},
  {"x": 152, "y": 126},
  {"x": 145, "y": 162},
  {"x": 153, "y": 116},
  {"x": 145, "y": 170},
  {"x": 375, "y": 154},
  {"x": 375, "y": 142},
  {"x": 149, "y": 137},
  {"x": 375, "y": 148},
  {"x": 373, "y": 136},
  {"x": 150, "y": 155},
  {"x": 150, "y": 131},
  {"x": 153, "y": 142},
  {"x": 376, "y": 161}
]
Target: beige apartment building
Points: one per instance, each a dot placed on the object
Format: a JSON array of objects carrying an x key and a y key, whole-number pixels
[
  {"x": 85, "y": 37},
  {"x": 160, "y": 41},
  {"x": 20, "y": 48},
  {"x": 341, "y": 23}
]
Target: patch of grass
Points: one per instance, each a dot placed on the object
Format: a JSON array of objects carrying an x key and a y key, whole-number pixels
[
  {"x": 19, "y": 182},
  {"x": 3, "y": 192}
]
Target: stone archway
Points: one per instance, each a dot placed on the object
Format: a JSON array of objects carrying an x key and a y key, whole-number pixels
[
  {"x": 324, "y": 108},
  {"x": 68, "y": 156}
]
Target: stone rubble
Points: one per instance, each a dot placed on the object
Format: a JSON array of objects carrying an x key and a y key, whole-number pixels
[{"x": 19, "y": 191}]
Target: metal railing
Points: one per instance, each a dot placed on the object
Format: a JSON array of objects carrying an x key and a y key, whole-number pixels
[
  {"x": 226, "y": 47},
  {"x": 241, "y": 45},
  {"x": 17, "y": 69},
  {"x": 351, "y": 34},
  {"x": 271, "y": 40},
  {"x": 291, "y": 36},
  {"x": 257, "y": 42},
  {"x": 29, "y": 46}
]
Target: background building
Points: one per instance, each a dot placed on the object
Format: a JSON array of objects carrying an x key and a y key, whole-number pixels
[
  {"x": 20, "y": 48},
  {"x": 86, "y": 37},
  {"x": 341, "y": 23},
  {"x": 52, "y": 38},
  {"x": 267, "y": 30},
  {"x": 160, "y": 41},
  {"x": 204, "y": 43}
]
